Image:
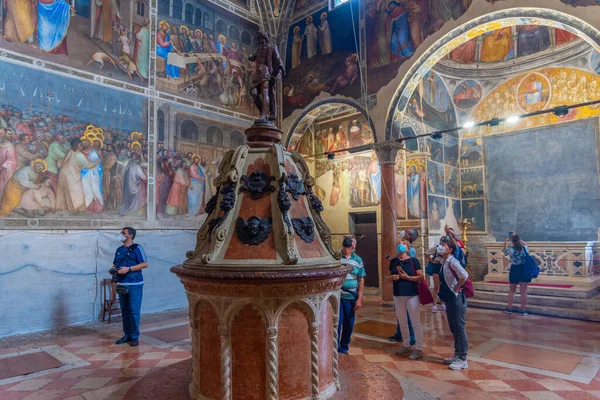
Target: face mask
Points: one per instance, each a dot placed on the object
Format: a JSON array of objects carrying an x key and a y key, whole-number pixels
[
  {"x": 441, "y": 249},
  {"x": 401, "y": 248},
  {"x": 122, "y": 237}
]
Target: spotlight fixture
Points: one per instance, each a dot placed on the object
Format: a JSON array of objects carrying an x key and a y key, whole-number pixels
[
  {"x": 436, "y": 136},
  {"x": 512, "y": 119},
  {"x": 469, "y": 124},
  {"x": 330, "y": 156},
  {"x": 561, "y": 111},
  {"x": 494, "y": 121}
]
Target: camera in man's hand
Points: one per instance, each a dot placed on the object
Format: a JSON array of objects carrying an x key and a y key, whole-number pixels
[{"x": 113, "y": 271}]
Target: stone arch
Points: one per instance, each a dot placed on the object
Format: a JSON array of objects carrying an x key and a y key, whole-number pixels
[
  {"x": 221, "y": 27},
  {"x": 236, "y": 139},
  {"x": 189, "y": 130},
  {"x": 189, "y": 13},
  {"x": 198, "y": 17},
  {"x": 334, "y": 300},
  {"x": 214, "y": 136},
  {"x": 234, "y": 33},
  {"x": 308, "y": 115},
  {"x": 234, "y": 309},
  {"x": 178, "y": 9},
  {"x": 303, "y": 305},
  {"x": 246, "y": 38},
  {"x": 472, "y": 29}
]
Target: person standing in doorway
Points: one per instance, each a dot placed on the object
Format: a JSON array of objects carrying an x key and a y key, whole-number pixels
[
  {"x": 517, "y": 254},
  {"x": 405, "y": 273},
  {"x": 352, "y": 293},
  {"x": 130, "y": 260},
  {"x": 452, "y": 277}
]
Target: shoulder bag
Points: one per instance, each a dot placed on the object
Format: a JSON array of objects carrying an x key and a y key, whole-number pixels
[{"x": 425, "y": 296}]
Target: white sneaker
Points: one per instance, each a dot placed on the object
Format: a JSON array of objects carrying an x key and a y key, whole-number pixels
[
  {"x": 415, "y": 354},
  {"x": 458, "y": 365},
  {"x": 450, "y": 360},
  {"x": 434, "y": 308},
  {"x": 443, "y": 306}
]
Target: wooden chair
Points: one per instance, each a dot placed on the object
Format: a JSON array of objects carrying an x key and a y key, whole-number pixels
[{"x": 111, "y": 303}]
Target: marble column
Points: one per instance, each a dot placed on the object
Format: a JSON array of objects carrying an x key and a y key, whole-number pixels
[{"x": 386, "y": 152}]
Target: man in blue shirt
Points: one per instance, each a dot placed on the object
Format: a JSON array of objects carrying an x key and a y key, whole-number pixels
[
  {"x": 352, "y": 293},
  {"x": 130, "y": 260}
]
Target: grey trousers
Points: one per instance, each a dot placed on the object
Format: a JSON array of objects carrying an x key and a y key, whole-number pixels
[{"x": 456, "y": 311}]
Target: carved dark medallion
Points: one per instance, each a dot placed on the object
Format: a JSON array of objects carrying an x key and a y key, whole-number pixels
[
  {"x": 284, "y": 203},
  {"x": 257, "y": 184},
  {"x": 315, "y": 203},
  {"x": 305, "y": 228},
  {"x": 295, "y": 186},
  {"x": 212, "y": 203},
  {"x": 254, "y": 231},
  {"x": 228, "y": 199}
]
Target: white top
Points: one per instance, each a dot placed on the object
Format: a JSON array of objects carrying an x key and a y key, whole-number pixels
[{"x": 451, "y": 281}]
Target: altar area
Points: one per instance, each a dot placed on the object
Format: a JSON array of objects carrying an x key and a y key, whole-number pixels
[{"x": 568, "y": 284}]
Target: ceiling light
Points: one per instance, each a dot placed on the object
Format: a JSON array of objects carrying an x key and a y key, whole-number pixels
[
  {"x": 561, "y": 111},
  {"x": 469, "y": 124},
  {"x": 512, "y": 119},
  {"x": 494, "y": 121},
  {"x": 436, "y": 136}
]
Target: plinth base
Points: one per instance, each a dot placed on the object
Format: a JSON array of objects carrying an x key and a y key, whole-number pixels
[
  {"x": 263, "y": 135},
  {"x": 359, "y": 379}
]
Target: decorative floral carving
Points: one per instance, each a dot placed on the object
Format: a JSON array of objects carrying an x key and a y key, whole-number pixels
[
  {"x": 315, "y": 203},
  {"x": 228, "y": 198},
  {"x": 257, "y": 184},
  {"x": 212, "y": 203},
  {"x": 254, "y": 231},
  {"x": 295, "y": 186},
  {"x": 212, "y": 224},
  {"x": 305, "y": 228},
  {"x": 284, "y": 203}
]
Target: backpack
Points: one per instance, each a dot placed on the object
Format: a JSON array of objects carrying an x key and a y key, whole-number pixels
[
  {"x": 467, "y": 288},
  {"x": 461, "y": 256},
  {"x": 531, "y": 268}
]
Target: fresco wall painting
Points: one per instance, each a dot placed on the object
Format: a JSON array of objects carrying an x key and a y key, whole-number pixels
[
  {"x": 70, "y": 150},
  {"x": 322, "y": 55},
  {"x": 206, "y": 58}
]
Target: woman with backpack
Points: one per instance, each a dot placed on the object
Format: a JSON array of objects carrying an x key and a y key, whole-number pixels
[
  {"x": 452, "y": 278},
  {"x": 517, "y": 275}
]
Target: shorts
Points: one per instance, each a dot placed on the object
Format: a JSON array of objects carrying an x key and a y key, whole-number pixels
[{"x": 517, "y": 274}]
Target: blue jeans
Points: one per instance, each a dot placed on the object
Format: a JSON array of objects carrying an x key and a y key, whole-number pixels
[
  {"x": 131, "y": 305},
  {"x": 346, "y": 324},
  {"x": 412, "y": 332}
]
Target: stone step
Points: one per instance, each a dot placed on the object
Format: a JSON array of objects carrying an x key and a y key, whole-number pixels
[
  {"x": 572, "y": 313},
  {"x": 550, "y": 301},
  {"x": 538, "y": 290}
]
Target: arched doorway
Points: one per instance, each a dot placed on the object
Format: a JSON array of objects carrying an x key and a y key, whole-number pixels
[
  {"x": 189, "y": 130},
  {"x": 503, "y": 177},
  {"x": 349, "y": 184}
]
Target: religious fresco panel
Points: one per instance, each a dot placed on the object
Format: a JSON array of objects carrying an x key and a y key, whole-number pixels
[
  {"x": 400, "y": 180},
  {"x": 471, "y": 153},
  {"x": 436, "y": 149},
  {"x": 467, "y": 94},
  {"x": 437, "y": 213},
  {"x": 416, "y": 188},
  {"x": 395, "y": 29},
  {"x": 105, "y": 37},
  {"x": 474, "y": 211},
  {"x": 205, "y": 57},
  {"x": 431, "y": 103},
  {"x": 187, "y": 162},
  {"x": 70, "y": 149},
  {"x": 532, "y": 91},
  {"x": 471, "y": 183},
  {"x": 322, "y": 55},
  {"x": 435, "y": 179},
  {"x": 451, "y": 178}
]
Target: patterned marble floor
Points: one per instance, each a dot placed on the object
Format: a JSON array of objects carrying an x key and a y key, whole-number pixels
[{"x": 510, "y": 357}]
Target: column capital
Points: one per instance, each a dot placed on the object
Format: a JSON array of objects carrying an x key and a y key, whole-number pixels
[{"x": 386, "y": 152}]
